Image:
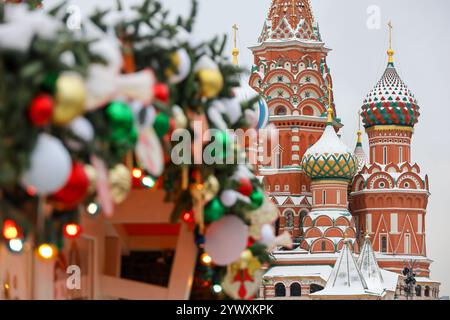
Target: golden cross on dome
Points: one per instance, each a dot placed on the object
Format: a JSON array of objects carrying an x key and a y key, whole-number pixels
[
  {"x": 235, "y": 49},
  {"x": 390, "y": 51},
  {"x": 235, "y": 30}
]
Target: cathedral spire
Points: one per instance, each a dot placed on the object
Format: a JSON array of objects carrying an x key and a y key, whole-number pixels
[
  {"x": 390, "y": 51},
  {"x": 289, "y": 20},
  {"x": 293, "y": 10},
  {"x": 235, "y": 51}
]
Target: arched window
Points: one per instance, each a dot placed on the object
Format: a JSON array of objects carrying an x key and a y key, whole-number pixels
[
  {"x": 419, "y": 291},
  {"x": 427, "y": 291},
  {"x": 280, "y": 111},
  {"x": 296, "y": 290},
  {"x": 303, "y": 214},
  {"x": 289, "y": 215},
  {"x": 314, "y": 288},
  {"x": 324, "y": 246},
  {"x": 385, "y": 154},
  {"x": 324, "y": 197},
  {"x": 280, "y": 290}
]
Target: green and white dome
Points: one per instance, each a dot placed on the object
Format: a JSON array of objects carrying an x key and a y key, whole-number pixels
[{"x": 329, "y": 158}]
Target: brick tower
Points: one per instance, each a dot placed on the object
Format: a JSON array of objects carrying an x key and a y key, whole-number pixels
[{"x": 291, "y": 72}]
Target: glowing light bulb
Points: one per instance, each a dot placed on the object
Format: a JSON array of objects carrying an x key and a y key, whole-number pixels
[
  {"x": 46, "y": 251},
  {"x": 137, "y": 173},
  {"x": 148, "y": 182},
  {"x": 72, "y": 230},
  {"x": 206, "y": 259},
  {"x": 10, "y": 230},
  {"x": 92, "y": 208},
  {"x": 15, "y": 245},
  {"x": 217, "y": 288}
]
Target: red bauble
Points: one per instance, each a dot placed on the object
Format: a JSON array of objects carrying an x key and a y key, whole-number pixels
[
  {"x": 245, "y": 187},
  {"x": 161, "y": 92},
  {"x": 75, "y": 190},
  {"x": 41, "y": 110}
]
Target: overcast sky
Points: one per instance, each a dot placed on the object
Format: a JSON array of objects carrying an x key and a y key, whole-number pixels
[{"x": 422, "y": 45}]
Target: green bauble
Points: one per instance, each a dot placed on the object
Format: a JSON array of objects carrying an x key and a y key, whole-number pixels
[
  {"x": 161, "y": 124},
  {"x": 223, "y": 139},
  {"x": 214, "y": 210},
  {"x": 257, "y": 198},
  {"x": 120, "y": 115},
  {"x": 134, "y": 135}
]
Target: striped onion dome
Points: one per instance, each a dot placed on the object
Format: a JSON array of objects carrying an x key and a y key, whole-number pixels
[{"x": 390, "y": 102}]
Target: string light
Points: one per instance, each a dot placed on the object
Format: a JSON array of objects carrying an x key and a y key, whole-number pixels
[
  {"x": 148, "y": 182},
  {"x": 10, "y": 230},
  {"x": 188, "y": 217},
  {"x": 46, "y": 251},
  {"x": 217, "y": 288},
  {"x": 137, "y": 173},
  {"x": 15, "y": 245},
  {"x": 72, "y": 230},
  {"x": 92, "y": 208},
  {"x": 205, "y": 259}
]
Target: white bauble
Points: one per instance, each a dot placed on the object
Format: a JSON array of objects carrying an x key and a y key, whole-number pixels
[
  {"x": 83, "y": 129},
  {"x": 228, "y": 198},
  {"x": 226, "y": 239},
  {"x": 50, "y": 165},
  {"x": 267, "y": 235}
]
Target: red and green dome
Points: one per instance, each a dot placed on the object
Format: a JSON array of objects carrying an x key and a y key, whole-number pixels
[{"x": 390, "y": 102}]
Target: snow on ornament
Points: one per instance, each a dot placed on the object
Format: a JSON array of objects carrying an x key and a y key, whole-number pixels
[
  {"x": 226, "y": 239},
  {"x": 50, "y": 166}
]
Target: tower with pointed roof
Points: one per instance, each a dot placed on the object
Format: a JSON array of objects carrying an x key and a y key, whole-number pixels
[
  {"x": 290, "y": 70},
  {"x": 390, "y": 194},
  {"x": 327, "y": 195}
]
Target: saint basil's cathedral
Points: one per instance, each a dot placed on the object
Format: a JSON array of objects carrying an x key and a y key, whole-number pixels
[{"x": 357, "y": 221}]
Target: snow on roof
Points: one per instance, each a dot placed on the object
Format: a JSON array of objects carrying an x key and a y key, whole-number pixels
[
  {"x": 322, "y": 272},
  {"x": 346, "y": 278},
  {"x": 425, "y": 280},
  {"x": 332, "y": 214},
  {"x": 368, "y": 265},
  {"x": 329, "y": 143}
]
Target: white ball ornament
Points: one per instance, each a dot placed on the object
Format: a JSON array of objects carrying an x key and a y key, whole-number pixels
[
  {"x": 226, "y": 239},
  {"x": 228, "y": 198},
  {"x": 50, "y": 166},
  {"x": 83, "y": 129},
  {"x": 267, "y": 235}
]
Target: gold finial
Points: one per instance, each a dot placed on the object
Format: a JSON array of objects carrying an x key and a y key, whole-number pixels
[
  {"x": 390, "y": 51},
  {"x": 235, "y": 49},
  {"x": 329, "y": 110},
  {"x": 359, "y": 133}
]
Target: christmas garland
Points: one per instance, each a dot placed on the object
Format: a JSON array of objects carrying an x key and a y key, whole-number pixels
[{"x": 130, "y": 95}]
